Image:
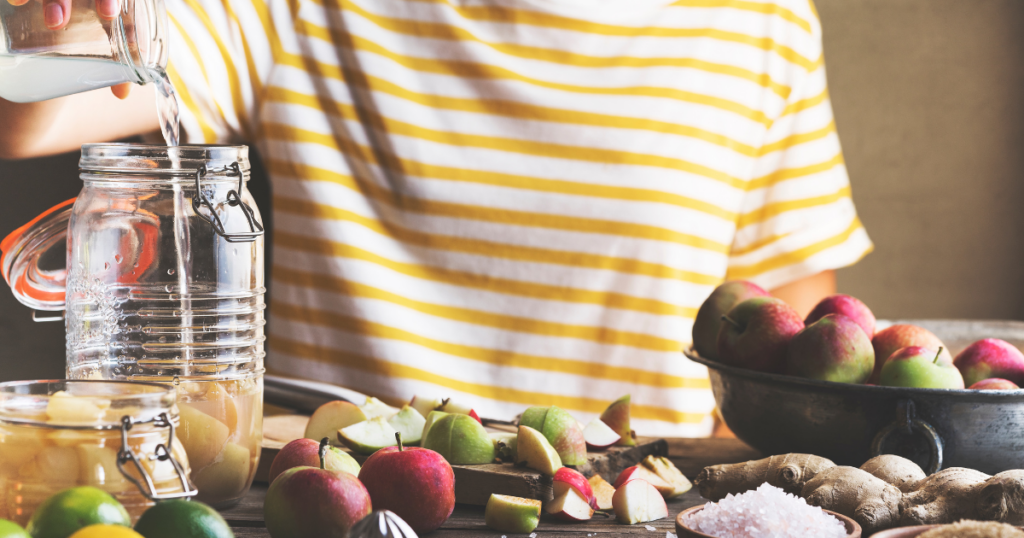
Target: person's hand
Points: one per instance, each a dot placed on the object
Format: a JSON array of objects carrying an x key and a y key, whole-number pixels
[{"x": 57, "y": 14}]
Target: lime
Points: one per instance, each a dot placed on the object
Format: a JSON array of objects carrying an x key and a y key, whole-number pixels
[
  {"x": 10, "y": 529},
  {"x": 105, "y": 531},
  {"x": 182, "y": 519},
  {"x": 71, "y": 509}
]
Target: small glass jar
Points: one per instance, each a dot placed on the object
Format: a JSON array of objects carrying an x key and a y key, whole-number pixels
[{"x": 60, "y": 434}]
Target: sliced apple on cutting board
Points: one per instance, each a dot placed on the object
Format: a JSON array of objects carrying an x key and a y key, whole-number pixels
[
  {"x": 331, "y": 417},
  {"x": 533, "y": 449},
  {"x": 368, "y": 436},
  {"x": 570, "y": 506},
  {"x": 603, "y": 492},
  {"x": 637, "y": 501},
  {"x": 599, "y": 435},
  {"x": 408, "y": 422}
]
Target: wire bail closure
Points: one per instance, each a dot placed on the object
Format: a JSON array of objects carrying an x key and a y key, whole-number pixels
[
  {"x": 234, "y": 198},
  {"x": 161, "y": 453}
]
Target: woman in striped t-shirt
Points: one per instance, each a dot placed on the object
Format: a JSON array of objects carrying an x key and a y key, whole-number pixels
[{"x": 512, "y": 202}]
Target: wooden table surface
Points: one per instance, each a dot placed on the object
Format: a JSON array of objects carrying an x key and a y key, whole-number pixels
[{"x": 690, "y": 455}]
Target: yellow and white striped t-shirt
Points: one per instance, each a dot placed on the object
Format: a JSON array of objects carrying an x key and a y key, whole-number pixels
[{"x": 522, "y": 202}]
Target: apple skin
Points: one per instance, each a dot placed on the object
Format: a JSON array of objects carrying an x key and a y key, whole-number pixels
[
  {"x": 306, "y": 453},
  {"x": 994, "y": 383},
  {"x": 307, "y": 501},
  {"x": 991, "y": 357},
  {"x": 919, "y": 367},
  {"x": 415, "y": 483},
  {"x": 331, "y": 417},
  {"x": 889, "y": 340},
  {"x": 834, "y": 348},
  {"x": 845, "y": 305},
  {"x": 460, "y": 440},
  {"x": 616, "y": 416},
  {"x": 760, "y": 336},
  {"x": 575, "y": 480},
  {"x": 561, "y": 430},
  {"x": 709, "y": 316},
  {"x": 517, "y": 515}
]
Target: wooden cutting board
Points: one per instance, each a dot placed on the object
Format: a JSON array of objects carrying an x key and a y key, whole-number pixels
[{"x": 474, "y": 484}]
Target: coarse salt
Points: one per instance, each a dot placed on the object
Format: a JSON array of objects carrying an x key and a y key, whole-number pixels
[
  {"x": 650, "y": 528},
  {"x": 767, "y": 512}
]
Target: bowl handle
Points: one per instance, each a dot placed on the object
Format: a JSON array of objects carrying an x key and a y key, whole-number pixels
[{"x": 909, "y": 423}]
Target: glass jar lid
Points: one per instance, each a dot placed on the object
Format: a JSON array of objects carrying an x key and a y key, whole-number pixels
[{"x": 163, "y": 160}]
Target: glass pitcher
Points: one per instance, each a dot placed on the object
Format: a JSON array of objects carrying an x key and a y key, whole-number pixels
[
  {"x": 37, "y": 63},
  {"x": 164, "y": 282}
]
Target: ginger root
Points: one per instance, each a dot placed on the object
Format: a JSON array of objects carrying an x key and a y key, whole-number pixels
[
  {"x": 896, "y": 470},
  {"x": 788, "y": 472},
  {"x": 957, "y": 493},
  {"x": 855, "y": 493},
  {"x": 974, "y": 529}
]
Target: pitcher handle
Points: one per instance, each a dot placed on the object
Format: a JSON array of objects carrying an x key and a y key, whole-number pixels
[{"x": 37, "y": 288}]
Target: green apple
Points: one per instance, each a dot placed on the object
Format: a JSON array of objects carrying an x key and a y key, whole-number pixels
[
  {"x": 517, "y": 515},
  {"x": 921, "y": 368},
  {"x": 719, "y": 303},
  {"x": 331, "y": 417},
  {"x": 369, "y": 436},
  {"x": 616, "y": 416},
  {"x": 409, "y": 422},
  {"x": 432, "y": 417},
  {"x": 533, "y": 449},
  {"x": 376, "y": 408},
  {"x": 505, "y": 445},
  {"x": 561, "y": 430},
  {"x": 460, "y": 440}
]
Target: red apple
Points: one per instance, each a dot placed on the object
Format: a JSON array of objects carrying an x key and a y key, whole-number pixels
[
  {"x": 639, "y": 472},
  {"x": 599, "y": 435},
  {"x": 889, "y": 340},
  {"x": 833, "y": 348},
  {"x": 307, "y": 501},
  {"x": 415, "y": 483},
  {"x": 566, "y": 478},
  {"x": 755, "y": 334},
  {"x": 306, "y": 453},
  {"x": 570, "y": 506},
  {"x": 709, "y": 317},
  {"x": 845, "y": 305},
  {"x": 637, "y": 501},
  {"x": 991, "y": 357},
  {"x": 994, "y": 383}
]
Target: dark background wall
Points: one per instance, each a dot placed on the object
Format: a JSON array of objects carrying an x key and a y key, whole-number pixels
[{"x": 929, "y": 102}]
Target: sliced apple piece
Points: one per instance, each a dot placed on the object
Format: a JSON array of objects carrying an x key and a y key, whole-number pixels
[
  {"x": 368, "y": 436},
  {"x": 599, "y": 436},
  {"x": 533, "y": 449},
  {"x": 203, "y": 437},
  {"x": 376, "y": 408},
  {"x": 65, "y": 408},
  {"x": 566, "y": 478},
  {"x": 97, "y": 466},
  {"x": 505, "y": 513},
  {"x": 225, "y": 478},
  {"x": 603, "y": 492},
  {"x": 616, "y": 416},
  {"x": 425, "y": 405},
  {"x": 570, "y": 506},
  {"x": 408, "y": 422},
  {"x": 642, "y": 473},
  {"x": 331, "y": 417},
  {"x": 667, "y": 471},
  {"x": 505, "y": 445},
  {"x": 637, "y": 501},
  {"x": 458, "y": 408},
  {"x": 432, "y": 417}
]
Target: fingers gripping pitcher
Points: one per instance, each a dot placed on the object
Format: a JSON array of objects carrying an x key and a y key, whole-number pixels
[{"x": 164, "y": 283}]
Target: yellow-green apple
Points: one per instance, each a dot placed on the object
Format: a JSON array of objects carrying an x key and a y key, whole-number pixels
[
  {"x": 570, "y": 506},
  {"x": 991, "y": 357},
  {"x": 533, "y": 449},
  {"x": 893, "y": 338},
  {"x": 667, "y": 471},
  {"x": 368, "y": 436},
  {"x": 331, "y": 417},
  {"x": 599, "y": 435},
  {"x": 306, "y": 452},
  {"x": 408, "y": 422},
  {"x": 603, "y": 492},
  {"x": 639, "y": 472},
  {"x": 566, "y": 478},
  {"x": 376, "y": 408},
  {"x": 311, "y": 501},
  {"x": 755, "y": 334},
  {"x": 415, "y": 483},
  {"x": 719, "y": 303},
  {"x": 616, "y": 416},
  {"x": 561, "y": 430},
  {"x": 920, "y": 367},
  {"x": 505, "y": 445},
  {"x": 845, "y": 305},
  {"x": 461, "y": 440},
  {"x": 994, "y": 383},
  {"x": 637, "y": 501},
  {"x": 834, "y": 348},
  {"x": 432, "y": 417},
  {"x": 505, "y": 513}
]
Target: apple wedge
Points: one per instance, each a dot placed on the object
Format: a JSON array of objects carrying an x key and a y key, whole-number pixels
[
  {"x": 643, "y": 473},
  {"x": 560, "y": 429},
  {"x": 603, "y": 492},
  {"x": 432, "y": 417},
  {"x": 376, "y": 408},
  {"x": 505, "y": 513},
  {"x": 331, "y": 417},
  {"x": 637, "y": 501},
  {"x": 425, "y": 405},
  {"x": 566, "y": 478},
  {"x": 668, "y": 472},
  {"x": 599, "y": 436},
  {"x": 458, "y": 408},
  {"x": 570, "y": 506},
  {"x": 505, "y": 445},
  {"x": 368, "y": 436},
  {"x": 408, "y": 422},
  {"x": 533, "y": 449},
  {"x": 616, "y": 416}
]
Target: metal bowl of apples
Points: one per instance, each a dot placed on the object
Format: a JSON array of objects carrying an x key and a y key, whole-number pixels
[{"x": 850, "y": 423}]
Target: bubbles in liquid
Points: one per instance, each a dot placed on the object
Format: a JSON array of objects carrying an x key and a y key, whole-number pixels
[
  {"x": 170, "y": 271},
  {"x": 106, "y": 266},
  {"x": 118, "y": 258},
  {"x": 169, "y": 288},
  {"x": 162, "y": 339}
]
